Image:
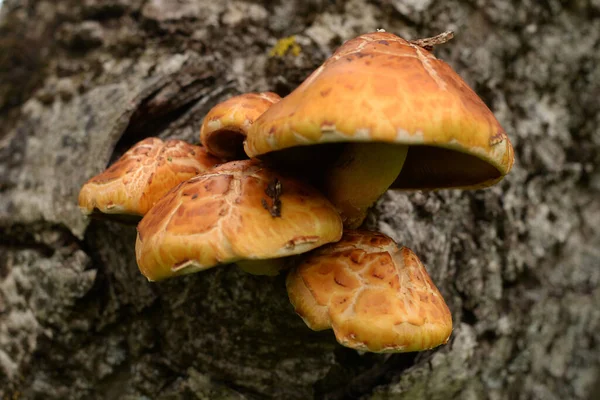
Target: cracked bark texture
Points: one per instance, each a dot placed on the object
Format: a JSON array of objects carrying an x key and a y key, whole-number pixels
[{"x": 81, "y": 81}]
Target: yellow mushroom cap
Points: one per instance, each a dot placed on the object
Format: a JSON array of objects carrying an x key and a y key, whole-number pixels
[
  {"x": 230, "y": 214},
  {"x": 379, "y": 87},
  {"x": 135, "y": 182},
  {"x": 376, "y": 297},
  {"x": 225, "y": 126}
]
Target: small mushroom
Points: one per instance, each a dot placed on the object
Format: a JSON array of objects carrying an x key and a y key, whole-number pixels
[
  {"x": 240, "y": 212},
  {"x": 383, "y": 113},
  {"x": 375, "y": 296},
  {"x": 135, "y": 182},
  {"x": 225, "y": 126}
]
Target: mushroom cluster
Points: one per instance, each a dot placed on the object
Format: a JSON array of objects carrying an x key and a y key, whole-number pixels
[{"x": 284, "y": 184}]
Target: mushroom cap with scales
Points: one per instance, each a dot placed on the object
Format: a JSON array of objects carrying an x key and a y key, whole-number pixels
[
  {"x": 238, "y": 211},
  {"x": 137, "y": 180},
  {"x": 379, "y": 87},
  {"x": 225, "y": 126},
  {"x": 374, "y": 295}
]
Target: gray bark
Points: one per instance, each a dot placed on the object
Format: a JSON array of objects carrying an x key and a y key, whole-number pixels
[{"x": 81, "y": 81}]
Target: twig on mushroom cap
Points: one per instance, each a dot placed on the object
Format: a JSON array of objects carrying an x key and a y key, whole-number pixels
[{"x": 428, "y": 43}]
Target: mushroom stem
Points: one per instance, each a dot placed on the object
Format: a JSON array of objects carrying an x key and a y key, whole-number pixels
[
  {"x": 270, "y": 267},
  {"x": 362, "y": 173}
]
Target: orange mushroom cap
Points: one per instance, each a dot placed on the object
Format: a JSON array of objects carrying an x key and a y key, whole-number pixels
[
  {"x": 375, "y": 296},
  {"x": 135, "y": 182},
  {"x": 238, "y": 211},
  {"x": 225, "y": 126},
  {"x": 379, "y": 87}
]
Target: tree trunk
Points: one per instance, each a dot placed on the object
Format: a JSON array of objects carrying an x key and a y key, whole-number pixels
[{"x": 81, "y": 81}]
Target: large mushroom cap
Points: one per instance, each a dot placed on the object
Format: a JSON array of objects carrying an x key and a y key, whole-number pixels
[
  {"x": 376, "y": 297},
  {"x": 225, "y": 126},
  {"x": 380, "y": 88},
  {"x": 241, "y": 210},
  {"x": 135, "y": 182}
]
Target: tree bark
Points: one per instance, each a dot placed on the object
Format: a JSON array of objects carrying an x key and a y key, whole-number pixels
[{"x": 519, "y": 264}]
